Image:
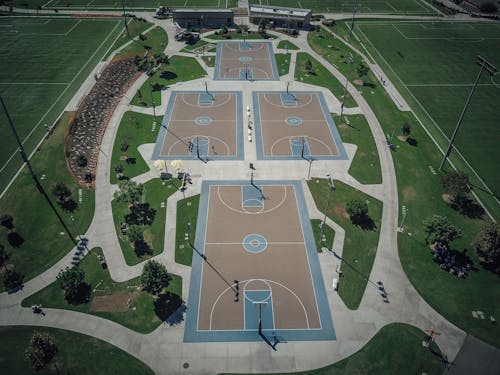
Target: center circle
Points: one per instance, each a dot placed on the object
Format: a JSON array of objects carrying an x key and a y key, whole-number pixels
[
  {"x": 254, "y": 243},
  {"x": 203, "y": 120},
  {"x": 245, "y": 59},
  {"x": 293, "y": 121}
]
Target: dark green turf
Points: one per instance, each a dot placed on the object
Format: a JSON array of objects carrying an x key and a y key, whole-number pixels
[
  {"x": 44, "y": 62},
  {"x": 77, "y": 354}
]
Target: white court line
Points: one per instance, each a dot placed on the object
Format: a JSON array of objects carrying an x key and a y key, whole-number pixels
[
  {"x": 437, "y": 128},
  {"x": 74, "y": 26},
  {"x": 52, "y": 106}
]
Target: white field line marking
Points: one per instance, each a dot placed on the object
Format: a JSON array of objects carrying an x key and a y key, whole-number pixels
[
  {"x": 6, "y": 25},
  {"x": 47, "y": 3},
  {"x": 46, "y": 113},
  {"x": 449, "y": 84},
  {"x": 74, "y": 26},
  {"x": 390, "y": 6},
  {"x": 33, "y": 83},
  {"x": 438, "y": 128},
  {"x": 90, "y": 2}
]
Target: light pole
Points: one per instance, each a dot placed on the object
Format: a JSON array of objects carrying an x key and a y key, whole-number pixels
[
  {"x": 125, "y": 18},
  {"x": 352, "y": 21},
  {"x": 331, "y": 187},
  {"x": 485, "y": 65},
  {"x": 150, "y": 74}
]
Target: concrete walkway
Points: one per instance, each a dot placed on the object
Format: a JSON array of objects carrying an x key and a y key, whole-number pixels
[{"x": 164, "y": 349}]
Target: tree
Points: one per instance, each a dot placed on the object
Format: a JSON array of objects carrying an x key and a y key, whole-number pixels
[
  {"x": 129, "y": 191},
  {"x": 488, "y": 7},
  {"x": 7, "y": 221},
  {"x": 406, "y": 129},
  {"x": 440, "y": 231},
  {"x": 81, "y": 161},
  {"x": 124, "y": 146},
  {"x": 72, "y": 281},
  {"x": 363, "y": 70},
  {"x": 309, "y": 66},
  {"x": 4, "y": 256},
  {"x": 61, "y": 191},
  {"x": 356, "y": 209},
  {"x": 135, "y": 233},
  {"x": 41, "y": 349},
  {"x": 487, "y": 244},
  {"x": 154, "y": 277},
  {"x": 12, "y": 279},
  {"x": 456, "y": 184}
]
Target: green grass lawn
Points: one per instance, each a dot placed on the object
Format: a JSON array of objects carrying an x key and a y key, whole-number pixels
[
  {"x": 35, "y": 222},
  {"x": 186, "y": 207},
  {"x": 367, "y": 6},
  {"x": 209, "y": 60},
  {"x": 192, "y": 47},
  {"x": 365, "y": 166},
  {"x": 157, "y": 39},
  {"x": 320, "y": 76},
  {"x": 395, "y": 349},
  {"x": 77, "y": 354},
  {"x": 282, "y": 63},
  {"x": 360, "y": 246},
  {"x": 286, "y": 44},
  {"x": 437, "y": 92},
  {"x": 135, "y": 27},
  {"x": 328, "y": 234},
  {"x": 420, "y": 191},
  {"x": 135, "y": 129},
  {"x": 44, "y": 62},
  {"x": 156, "y": 191},
  {"x": 180, "y": 69},
  {"x": 141, "y": 319}
]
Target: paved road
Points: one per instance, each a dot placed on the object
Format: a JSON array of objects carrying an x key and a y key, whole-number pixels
[{"x": 164, "y": 349}]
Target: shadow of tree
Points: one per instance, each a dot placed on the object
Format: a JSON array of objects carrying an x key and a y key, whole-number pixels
[
  {"x": 412, "y": 142},
  {"x": 365, "y": 222},
  {"x": 142, "y": 248},
  {"x": 80, "y": 295},
  {"x": 15, "y": 239},
  {"x": 468, "y": 207},
  {"x": 168, "y": 75}
]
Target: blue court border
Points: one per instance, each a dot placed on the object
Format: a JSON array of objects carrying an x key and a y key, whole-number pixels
[
  {"x": 191, "y": 334},
  {"x": 259, "y": 140},
  {"x": 162, "y": 133},
  {"x": 218, "y": 77}
]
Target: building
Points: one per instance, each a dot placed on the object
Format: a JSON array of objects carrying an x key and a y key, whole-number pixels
[
  {"x": 295, "y": 18},
  {"x": 203, "y": 18}
]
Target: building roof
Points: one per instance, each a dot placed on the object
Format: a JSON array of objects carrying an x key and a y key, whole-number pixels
[{"x": 276, "y": 10}]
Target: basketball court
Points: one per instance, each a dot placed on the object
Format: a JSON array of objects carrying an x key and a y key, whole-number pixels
[
  {"x": 295, "y": 125},
  {"x": 244, "y": 60},
  {"x": 201, "y": 125},
  {"x": 255, "y": 271}
]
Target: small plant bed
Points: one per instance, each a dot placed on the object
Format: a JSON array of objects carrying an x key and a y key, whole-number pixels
[
  {"x": 33, "y": 238},
  {"x": 136, "y": 26},
  {"x": 285, "y": 44},
  {"x": 135, "y": 129},
  {"x": 155, "y": 40},
  {"x": 124, "y": 303},
  {"x": 76, "y": 354},
  {"x": 179, "y": 69},
  {"x": 361, "y": 236},
  {"x": 187, "y": 211},
  {"x": 395, "y": 349},
  {"x": 283, "y": 63},
  {"x": 140, "y": 226},
  {"x": 209, "y": 60},
  {"x": 328, "y": 235},
  {"x": 365, "y": 166},
  {"x": 308, "y": 70},
  {"x": 234, "y": 35},
  {"x": 199, "y": 45}
]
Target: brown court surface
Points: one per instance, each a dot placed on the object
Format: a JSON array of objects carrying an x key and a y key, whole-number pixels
[
  {"x": 220, "y": 133},
  {"x": 282, "y": 267},
  {"x": 257, "y": 58},
  {"x": 277, "y": 133}
]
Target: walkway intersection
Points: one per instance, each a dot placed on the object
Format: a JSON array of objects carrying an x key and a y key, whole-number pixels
[{"x": 164, "y": 350}]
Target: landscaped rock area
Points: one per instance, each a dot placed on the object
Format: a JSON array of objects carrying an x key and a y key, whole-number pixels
[{"x": 87, "y": 130}]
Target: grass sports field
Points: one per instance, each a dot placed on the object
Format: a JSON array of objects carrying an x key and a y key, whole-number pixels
[
  {"x": 433, "y": 65},
  {"x": 361, "y": 6},
  {"x": 117, "y": 4},
  {"x": 43, "y": 63}
]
